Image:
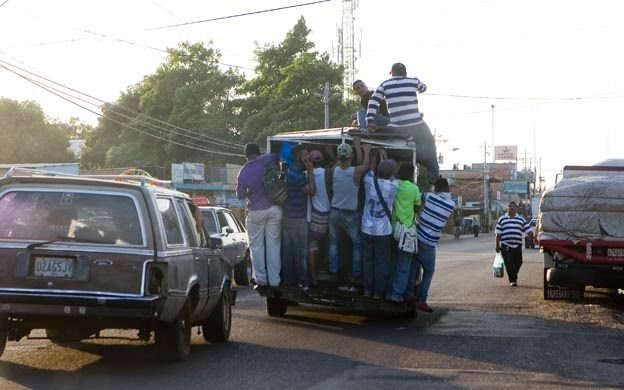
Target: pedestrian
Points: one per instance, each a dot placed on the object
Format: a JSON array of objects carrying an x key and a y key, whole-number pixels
[
  {"x": 475, "y": 226},
  {"x": 509, "y": 230},
  {"x": 343, "y": 215},
  {"x": 319, "y": 213},
  {"x": 437, "y": 208},
  {"x": 406, "y": 202},
  {"x": 294, "y": 224},
  {"x": 381, "y": 119},
  {"x": 264, "y": 219},
  {"x": 380, "y": 191},
  {"x": 401, "y": 95}
]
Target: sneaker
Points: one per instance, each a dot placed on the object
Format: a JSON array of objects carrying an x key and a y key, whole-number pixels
[
  {"x": 395, "y": 299},
  {"x": 424, "y": 307},
  {"x": 343, "y": 288},
  {"x": 377, "y": 297},
  {"x": 304, "y": 288},
  {"x": 353, "y": 289},
  {"x": 513, "y": 284},
  {"x": 368, "y": 294}
]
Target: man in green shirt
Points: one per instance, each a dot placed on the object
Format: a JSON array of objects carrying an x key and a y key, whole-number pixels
[{"x": 406, "y": 202}]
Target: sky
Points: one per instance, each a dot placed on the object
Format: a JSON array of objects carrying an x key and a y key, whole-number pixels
[{"x": 551, "y": 69}]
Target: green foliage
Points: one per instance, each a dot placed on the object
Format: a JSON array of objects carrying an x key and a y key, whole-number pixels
[{"x": 29, "y": 137}]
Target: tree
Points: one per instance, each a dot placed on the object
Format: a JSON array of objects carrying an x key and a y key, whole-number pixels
[
  {"x": 28, "y": 136},
  {"x": 281, "y": 96},
  {"x": 188, "y": 91}
]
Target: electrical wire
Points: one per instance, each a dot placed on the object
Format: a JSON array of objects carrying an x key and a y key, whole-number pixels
[
  {"x": 237, "y": 15},
  {"x": 525, "y": 98},
  {"x": 199, "y": 136},
  {"x": 125, "y": 125},
  {"x": 4, "y": 2}
]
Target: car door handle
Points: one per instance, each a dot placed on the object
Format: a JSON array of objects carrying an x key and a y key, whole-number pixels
[{"x": 196, "y": 258}]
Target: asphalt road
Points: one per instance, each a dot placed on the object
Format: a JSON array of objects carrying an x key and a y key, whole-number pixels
[{"x": 483, "y": 334}]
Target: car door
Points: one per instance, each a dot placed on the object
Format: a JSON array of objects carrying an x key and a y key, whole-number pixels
[
  {"x": 240, "y": 236},
  {"x": 229, "y": 238}
]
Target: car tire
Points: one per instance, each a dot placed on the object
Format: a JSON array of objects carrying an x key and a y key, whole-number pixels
[
  {"x": 276, "y": 307},
  {"x": 241, "y": 276},
  {"x": 173, "y": 339},
  {"x": 218, "y": 326}
]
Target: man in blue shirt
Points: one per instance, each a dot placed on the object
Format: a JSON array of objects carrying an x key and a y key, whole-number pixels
[{"x": 295, "y": 225}]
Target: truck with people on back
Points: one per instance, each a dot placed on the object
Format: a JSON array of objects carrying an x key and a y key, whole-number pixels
[{"x": 581, "y": 230}]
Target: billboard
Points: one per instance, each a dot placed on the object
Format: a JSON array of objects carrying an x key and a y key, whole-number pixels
[
  {"x": 506, "y": 152},
  {"x": 187, "y": 172},
  {"x": 516, "y": 187}
]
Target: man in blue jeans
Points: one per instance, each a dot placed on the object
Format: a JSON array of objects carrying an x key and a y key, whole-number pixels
[
  {"x": 382, "y": 118},
  {"x": 437, "y": 208}
]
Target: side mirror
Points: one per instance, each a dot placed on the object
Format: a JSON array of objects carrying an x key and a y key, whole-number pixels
[
  {"x": 215, "y": 243},
  {"x": 228, "y": 230}
]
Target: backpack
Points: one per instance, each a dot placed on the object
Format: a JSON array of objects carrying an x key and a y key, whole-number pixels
[{"x": 274, "y": 184}]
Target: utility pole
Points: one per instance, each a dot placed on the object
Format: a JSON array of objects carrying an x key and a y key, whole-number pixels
[
  {"x": 486, "y": 206},
  {"x": 493, "y": 154},
  {"x": 325, "y": 98}
]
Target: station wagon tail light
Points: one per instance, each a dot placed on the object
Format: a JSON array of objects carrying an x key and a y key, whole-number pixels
[{"x": 156, "y": 280}]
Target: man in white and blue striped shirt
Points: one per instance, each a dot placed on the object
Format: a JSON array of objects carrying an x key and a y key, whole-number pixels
[
  {"x": 437, "y": 208},
  {"x": 509, "y": 233},
  {"x": 401, "y": 96}
]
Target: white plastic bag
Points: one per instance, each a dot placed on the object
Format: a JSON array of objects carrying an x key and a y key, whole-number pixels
[{"x": 498, "y": 268}]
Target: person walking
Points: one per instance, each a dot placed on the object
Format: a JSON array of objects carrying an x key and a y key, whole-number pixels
[
  {"x": 509, "y": 230},
  {"x": 401, "y": 95},
  {"x": 264, "y": 219},
  {"x": 437, "y": 208}
]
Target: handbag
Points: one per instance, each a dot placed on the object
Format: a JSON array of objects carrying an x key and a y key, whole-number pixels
[
  {"x": 406, "y": 237},
  {"x": 498, "y": 268}
]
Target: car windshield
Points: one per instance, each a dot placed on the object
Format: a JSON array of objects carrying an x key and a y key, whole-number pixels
[{"x": 86, "y": 217}]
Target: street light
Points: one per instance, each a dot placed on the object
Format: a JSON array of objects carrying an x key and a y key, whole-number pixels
[{"x": 325, "y": 98}]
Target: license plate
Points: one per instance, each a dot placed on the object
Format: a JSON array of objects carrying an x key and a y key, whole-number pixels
[
  {"x": 615, "y": 252},
  {"x": 54, "y": 267}
]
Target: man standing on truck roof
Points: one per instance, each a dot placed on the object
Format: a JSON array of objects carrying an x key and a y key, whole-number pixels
[
  {"x": 295, "y": 225},
  {"x": 401, "y": 95},
  {"x": 264, "y": 219},
  {"x": 509, "y": 230},
  {"x": 343, "y": 215},
  {"x": 380, "y": 119},
  {"x": 437, "y": 208}
]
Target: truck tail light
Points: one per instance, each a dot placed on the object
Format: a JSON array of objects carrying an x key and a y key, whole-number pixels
[{"x": 156, "y": 280}]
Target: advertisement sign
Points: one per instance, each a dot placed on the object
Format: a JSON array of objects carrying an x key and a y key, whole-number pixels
[
  {"x": 506, "y": 152},
  {"x": 187, "y": 172},
  {"x": 516, "y": 187}
]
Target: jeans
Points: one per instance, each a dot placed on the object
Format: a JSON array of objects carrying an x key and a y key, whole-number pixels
[
  {"x": 348, "y": 221},
  {"x": 264, "y": 231},
  {"x": 425, "y": 149},
  {"x": 294, "y": 251},
  {"x": 376, "y": 263},
  {"x": 402, "y": 275},
  {"x": 426, "y": 258},
  {"x": 379, "y": 119}
]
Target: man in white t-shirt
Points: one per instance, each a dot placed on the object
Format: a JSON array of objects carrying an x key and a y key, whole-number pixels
[
  {"x": 318, "y": 212},
  {"x": 377, "y": 229}
]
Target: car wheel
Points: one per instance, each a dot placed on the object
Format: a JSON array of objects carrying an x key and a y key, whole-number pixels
[
  {"x": 276, "y": 307},
  {"x": 67, "y": 335},
  {"x": 218, "y": 326},
  {"x": 173, "y": 339},
  {"x": 241, "y": 276}
]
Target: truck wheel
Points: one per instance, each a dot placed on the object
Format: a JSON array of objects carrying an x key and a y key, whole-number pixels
[
  {"x": 173, "y": 339},
  {"x": 218, "y": 326},
  {"x": 276, "y": 307},
  {"x": 241, "y": 276}
]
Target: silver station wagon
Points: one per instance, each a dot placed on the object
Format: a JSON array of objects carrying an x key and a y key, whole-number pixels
[{"x": 83, "y": 254}]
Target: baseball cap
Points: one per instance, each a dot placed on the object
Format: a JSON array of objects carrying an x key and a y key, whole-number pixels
[
  {"x": 398, "y": 68},
  {"x": 344, "y": 150},
  {"x": 386, "y": 168},
  {"x": 315, "y": 156}
]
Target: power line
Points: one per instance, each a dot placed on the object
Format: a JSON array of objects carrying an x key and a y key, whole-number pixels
[
  {"x": 63, "y": 95},
  {"x": 524, "y": 98},
  {"x": 202, "y": 137},
  {"x": 3, "y": 3},
  {"x": 237, "y": 15}
]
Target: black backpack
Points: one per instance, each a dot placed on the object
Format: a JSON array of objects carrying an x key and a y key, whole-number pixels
[{"x": 274, "y": 184}]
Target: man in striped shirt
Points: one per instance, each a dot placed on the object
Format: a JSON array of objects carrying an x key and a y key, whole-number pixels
[
  {"x": 509, "y": 231},
  {"x": 437, "y": 208},
  {"x": 401, "y": 96}
]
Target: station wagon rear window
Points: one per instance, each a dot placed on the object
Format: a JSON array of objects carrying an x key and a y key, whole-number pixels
[{"x": 70, "y": 216}]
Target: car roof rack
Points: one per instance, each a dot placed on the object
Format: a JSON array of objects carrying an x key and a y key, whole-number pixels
[{"x": 143, "y": 180}]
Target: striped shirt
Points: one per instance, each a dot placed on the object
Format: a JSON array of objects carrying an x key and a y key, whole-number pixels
[
  {"x": 401, "y": 96},
  {"x": 437, "y": 208},
  {"x": 510, "y": 230}
]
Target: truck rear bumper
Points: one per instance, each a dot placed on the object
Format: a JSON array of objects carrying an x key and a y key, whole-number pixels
[{"x": 595, "y": 276}]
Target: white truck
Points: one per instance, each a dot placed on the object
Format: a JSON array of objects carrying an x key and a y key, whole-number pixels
[{"x": 581, "y": 231}]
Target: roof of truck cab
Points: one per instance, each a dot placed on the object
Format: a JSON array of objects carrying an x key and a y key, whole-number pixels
[{"x": 338, "y": 135}]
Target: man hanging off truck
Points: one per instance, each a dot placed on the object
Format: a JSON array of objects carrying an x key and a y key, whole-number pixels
[{"x": 401, "y": 96}]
